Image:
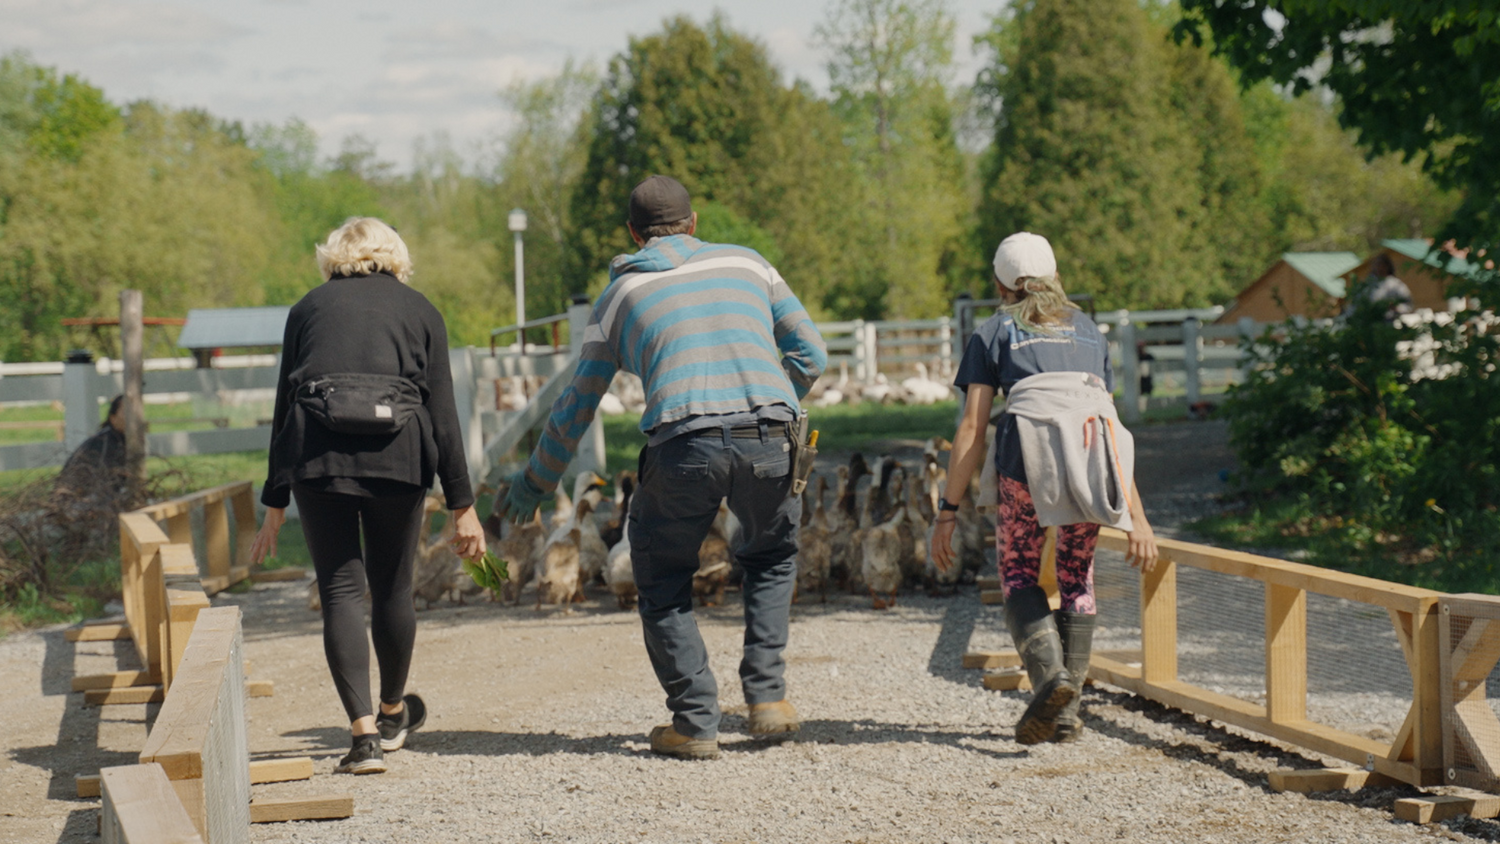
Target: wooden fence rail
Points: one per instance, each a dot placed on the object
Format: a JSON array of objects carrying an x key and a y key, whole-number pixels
[{"x": 1415, "y": 756}]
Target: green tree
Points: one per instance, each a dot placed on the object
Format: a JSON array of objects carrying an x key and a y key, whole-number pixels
[
  {"x": 890, "y": 64},
  {"x": 1090, "y": 153},
  {"x": 1420, "y": 79},
  {"x": 705, "y": 105},
  {"x": 312, "y": 199}
]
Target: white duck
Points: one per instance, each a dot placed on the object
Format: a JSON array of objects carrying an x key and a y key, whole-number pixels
[
  {"x": 921, "y": 389},
  {"x": 836, "y": 393},
  {"x": 619, "y": 574}
]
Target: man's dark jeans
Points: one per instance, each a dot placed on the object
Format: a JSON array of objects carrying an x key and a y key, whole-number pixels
[{"x": 681, "y": 484}]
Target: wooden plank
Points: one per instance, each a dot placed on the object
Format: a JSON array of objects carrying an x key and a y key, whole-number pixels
[
  {"x": 280, "y": 770},
  {"x": 326, "y": 807},
  {"x": 1010, "y": 659},
  {"x": 112, "y": 619},
  {"x": 991, "y": 659},
  {"x": 97, "y": 633},
  {"x": 261, "y": 771},
  {"x": 183, "y": 607},
  {"x": 167, "y": 509},
  {"x": 1475, "y": 725},
  {"x": 111, "y": 680},
  {"x": 1436, "y": 808},
  {"x": 178, "y": 563},
  {"x": 1425, "y": 664},
  {"x": 1318, "y": 738},
  {"x": 242, "y": 501},
  {"x": 1323, "y": 581},
  {"x": 1286, "y": 653},
  {"x": 199, "y": 737},
  {"x": 150, "y": 629},
  {"x": 279, "y": 575},
  {"x": 180, "y": 527},
  {"x": 985, "y": 583},
  {"x": 1327, "y": 779},
  {"x": 1007, "y": 681},
  {"x": 141, "y": 807},
  {"x": 217, "y": 551},
  {"x": 991, "y": 597},
  {"x": 127, "y": 694},
  {"x": 260, "y": 688},
  {"x": 1159, "y": 623}
]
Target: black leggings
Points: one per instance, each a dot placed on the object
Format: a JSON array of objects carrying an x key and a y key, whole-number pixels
[{"x": 392, "y": 525}]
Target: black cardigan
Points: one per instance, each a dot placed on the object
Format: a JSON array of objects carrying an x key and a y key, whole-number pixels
[{"x": 371, "y": 324}]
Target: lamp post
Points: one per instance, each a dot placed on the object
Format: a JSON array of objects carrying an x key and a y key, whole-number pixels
[{"x": 518, "y": 225}]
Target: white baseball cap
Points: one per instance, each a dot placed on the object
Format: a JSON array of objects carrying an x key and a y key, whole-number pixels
[{"x": 1023, "y": 255}]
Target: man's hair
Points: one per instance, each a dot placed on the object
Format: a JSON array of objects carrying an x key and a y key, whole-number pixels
[
  {"x": 682, "y": 226},
  {"x": 114, "y": 404}
]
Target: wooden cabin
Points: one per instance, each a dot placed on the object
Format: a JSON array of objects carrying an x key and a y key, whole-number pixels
[
  {"x": 1309, "y": 284},
  {"x": 1424, "y": 275}
]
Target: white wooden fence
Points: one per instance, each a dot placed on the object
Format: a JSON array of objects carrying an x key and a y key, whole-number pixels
[{"x": 1190, "y": 359}]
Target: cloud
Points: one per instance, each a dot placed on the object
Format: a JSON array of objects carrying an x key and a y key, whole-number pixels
[{"x": 83, "y": 25}]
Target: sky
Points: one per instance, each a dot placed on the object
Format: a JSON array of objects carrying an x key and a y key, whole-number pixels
[{"x": 391, "y": 71}]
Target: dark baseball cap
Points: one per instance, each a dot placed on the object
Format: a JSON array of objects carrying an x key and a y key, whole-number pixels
[{"x": 658, "y": 200}]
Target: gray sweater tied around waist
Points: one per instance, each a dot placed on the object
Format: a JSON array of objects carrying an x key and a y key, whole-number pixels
[{"x": 1080, "y": 460}]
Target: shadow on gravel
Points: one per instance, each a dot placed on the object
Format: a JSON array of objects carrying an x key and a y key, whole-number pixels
[
  {"x": 873, "y": 732},
  {"x": 1221, "y": 747},
  {"x": 477, "y": 743},
  {"x": 76, "y": 750}
]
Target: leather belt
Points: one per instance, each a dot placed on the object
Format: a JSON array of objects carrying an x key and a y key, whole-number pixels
[{"x": 745, "y": 432}]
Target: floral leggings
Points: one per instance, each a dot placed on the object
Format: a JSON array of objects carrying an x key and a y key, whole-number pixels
[{"x": 1019, "y": 540}]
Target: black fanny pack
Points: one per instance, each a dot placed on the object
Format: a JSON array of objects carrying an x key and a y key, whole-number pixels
[{"x": 358, "y": 403}]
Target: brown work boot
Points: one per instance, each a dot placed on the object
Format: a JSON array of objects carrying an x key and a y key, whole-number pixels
[
  {"x": 769, "y": 719},
  {"x": 668, "y": 742}
]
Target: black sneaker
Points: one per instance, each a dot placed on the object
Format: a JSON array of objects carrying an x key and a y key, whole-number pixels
[
  {"x": 394, "y": 728},
  {"x": 364, "y": 758}
]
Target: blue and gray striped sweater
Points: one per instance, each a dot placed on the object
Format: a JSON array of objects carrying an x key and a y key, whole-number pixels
[{"x": 711, "y": 329}]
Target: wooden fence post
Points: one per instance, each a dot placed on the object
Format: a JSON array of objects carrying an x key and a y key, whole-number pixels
[
  {"x": 132, "y": 349},
  {"x": 1286, "y": 653},
  {"x": 216, "y": 544},
  {"x": 1159, "y": 623},
  {"x": 1192, "y": 353},
  {"x": 1130, "y": 370}
]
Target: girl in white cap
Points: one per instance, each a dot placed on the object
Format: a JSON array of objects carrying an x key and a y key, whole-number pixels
[{"x": 1061, "y": 458}]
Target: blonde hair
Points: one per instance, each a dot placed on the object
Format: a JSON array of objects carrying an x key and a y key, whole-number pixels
[
  {"x": 361, "y": 246},
  {"x": 1043, "y": 304}
]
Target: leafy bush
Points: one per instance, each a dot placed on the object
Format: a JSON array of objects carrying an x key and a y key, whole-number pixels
[{"x": 1383, "y": 429}]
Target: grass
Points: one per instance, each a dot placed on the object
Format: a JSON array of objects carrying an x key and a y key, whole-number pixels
[{"x": 179, "y": 416}]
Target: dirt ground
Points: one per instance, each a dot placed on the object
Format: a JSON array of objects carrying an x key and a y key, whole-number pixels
[{"x": 538, "y": 731}]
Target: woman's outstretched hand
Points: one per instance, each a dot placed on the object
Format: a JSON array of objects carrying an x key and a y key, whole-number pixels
[
  {"x": 1142, "y": 551},
  {"x": 468, "y": 534},
  {"x": 942, "y": 543},
  {"x": 265, "y": 539}
]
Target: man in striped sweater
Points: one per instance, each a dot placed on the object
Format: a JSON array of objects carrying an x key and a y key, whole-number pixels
[{"x": 725, "y": 352}]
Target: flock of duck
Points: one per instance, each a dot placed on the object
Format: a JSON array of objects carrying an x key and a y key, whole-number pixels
[{"x": 869, "y": 536}]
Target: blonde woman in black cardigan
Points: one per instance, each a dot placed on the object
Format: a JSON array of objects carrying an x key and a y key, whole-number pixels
[{"x": 364, "y": 421}]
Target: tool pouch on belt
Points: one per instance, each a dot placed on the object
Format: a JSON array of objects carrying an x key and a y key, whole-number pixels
[
  {"x": 360, "y": 403},
  {"x": 803, "y": 455}
]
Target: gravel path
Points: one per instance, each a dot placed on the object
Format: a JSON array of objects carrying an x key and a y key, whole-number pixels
[{"x": 538, "y": 726}]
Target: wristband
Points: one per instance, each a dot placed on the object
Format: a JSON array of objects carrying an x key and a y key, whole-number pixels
[{"x": 947, "y": 506}]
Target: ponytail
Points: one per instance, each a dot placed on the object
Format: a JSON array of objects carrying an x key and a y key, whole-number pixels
[{"x": 1043, "y": 304}]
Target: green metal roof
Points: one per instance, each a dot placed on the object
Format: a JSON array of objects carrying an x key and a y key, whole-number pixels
[
  {"x": 1420, "y": 250},
  {"x": 1325, "y": 269}
]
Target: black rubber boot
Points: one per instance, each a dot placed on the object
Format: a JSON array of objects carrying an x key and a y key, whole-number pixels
[
  {"x": 1077, "y": 633},
  {"x": 1034, "y": 631}
]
